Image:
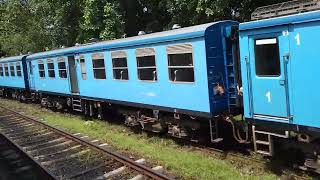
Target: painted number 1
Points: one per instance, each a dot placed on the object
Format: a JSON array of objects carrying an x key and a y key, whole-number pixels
[
  {"x": 268, "y": 95},
  {"x": 297, "y": 37}
]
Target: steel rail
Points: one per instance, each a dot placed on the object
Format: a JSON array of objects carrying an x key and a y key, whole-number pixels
[{"x": 126, "y": 161}]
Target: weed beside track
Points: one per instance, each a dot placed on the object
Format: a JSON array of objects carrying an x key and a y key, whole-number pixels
[{"x": 184, "y": 161}]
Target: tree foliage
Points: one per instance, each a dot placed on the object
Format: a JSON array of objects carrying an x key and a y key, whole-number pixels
[{"x": 38, "y": 25}]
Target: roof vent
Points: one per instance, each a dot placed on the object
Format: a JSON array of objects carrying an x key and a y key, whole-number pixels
[
  {"x": 285, "y": 8},
  {"x": 141, "y": 33},
  {"x": 77, "y": 44},
  {"x": 176, "y": 26}
]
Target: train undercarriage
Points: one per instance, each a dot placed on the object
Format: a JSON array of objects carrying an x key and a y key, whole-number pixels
[{"x": 264, "y": 138}]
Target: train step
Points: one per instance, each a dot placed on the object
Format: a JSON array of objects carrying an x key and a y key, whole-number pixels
[
  {"x": 77, "y": 104},
  {"x": 213, "y": 123},
  {"x": 263, "y": 141}
]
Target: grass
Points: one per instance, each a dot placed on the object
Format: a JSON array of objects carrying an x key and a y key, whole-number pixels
[{"x": 184, "y": 162}]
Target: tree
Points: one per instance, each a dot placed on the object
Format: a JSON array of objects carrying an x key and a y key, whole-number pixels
[
  {"x": 101, "y": 19},
  {"x": 36, "y": 25}
]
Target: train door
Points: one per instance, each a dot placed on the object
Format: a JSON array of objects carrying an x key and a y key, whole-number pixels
[
  {"x": 73, "y": 75},
  {"x": 269, "y": 55},
  {"x": 31, "y": 75}
]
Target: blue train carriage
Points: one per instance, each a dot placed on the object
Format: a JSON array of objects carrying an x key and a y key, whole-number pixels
[
  {"x": 13, "y": 82},
  {"x": 279, "y": 63},
  {"x": 173, "y": 81},
  {"x": 49, "y": 77}
]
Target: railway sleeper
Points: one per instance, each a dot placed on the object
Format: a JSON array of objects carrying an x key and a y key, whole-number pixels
[
  {"x": 73, "y": 156},
  {"x": 117, "y": 171},
  {"x": 30, "y": 148},
  {"x": 36, "y": 141},
  {"x": 27, "y": 134},
  {"x": 87, "y": 171},
  {"x": 60, "y": 152},
  {"x": 61, "y": 144},
  {"x": 32, "y": 137}
]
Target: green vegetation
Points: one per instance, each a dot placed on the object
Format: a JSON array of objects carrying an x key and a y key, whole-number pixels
[
  {"x": 39, "y": 25},
  {"x": 185, "y": 162}
]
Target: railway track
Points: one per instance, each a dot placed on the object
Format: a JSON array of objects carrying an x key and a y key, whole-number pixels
[
  {"x": 62, "y": 155},
  {"x": 14, "y": 165}
]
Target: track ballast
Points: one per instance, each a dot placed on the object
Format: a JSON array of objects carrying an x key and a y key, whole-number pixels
[{"x": 67, "y": 156}]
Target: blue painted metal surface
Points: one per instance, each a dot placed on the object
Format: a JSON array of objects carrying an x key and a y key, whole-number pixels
[
  {"x": 293, "y": 96},
  {"x": 189, "y": 96},
  {"x": 220, "y": 66},
  {"x": 48, "y": 84},
  {"x": 278, "y": 21},
  {"x": 12, "y": 81},
  {"x": 163, "y": 93},
  {"x": 160, "y": 37}
]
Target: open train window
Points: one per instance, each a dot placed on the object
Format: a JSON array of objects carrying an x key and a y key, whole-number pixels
[
  {"x": 99, "y": 70},
  {"x": 18, "y": 69},
  {"x": 83, "y": 67},
  {"x": 180, "y": 63},
  {"x": 146, "y": 63},
  {"x": 120, "y": 65},
  {"x": 62, "y": 67},
  {"x": 1, "y": 70},
  {"x": 6, "y": 70},
  {"x": 51, "y": 68},
  {"x": 42, "y": 73},
  {"x": 267, "y": 58},
  {"x": 12, "y": 71}
]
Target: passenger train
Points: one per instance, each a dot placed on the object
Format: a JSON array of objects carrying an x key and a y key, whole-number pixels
[{"x": 186, "y": 81}]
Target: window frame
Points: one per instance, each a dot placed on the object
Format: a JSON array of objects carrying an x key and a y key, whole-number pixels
[
  {"x": 82, "y": 57},
  {"x": 1, "y": 70},
  {"x": 18, "y": 64},
  {"x": 44, "y": 69},
  {"x": 99, "y": 56},
  {"x": 6, "y": 70},
  {"x": 118, "y": 55},
  {"x": 147, "y": 67},
  {"x": 12, "y": 65},
  {"x": 60, "y": 60},
  {"x": 184, "y": 67},
  {"x": 51, "y": 61},
  {"x": 266, "y": 43}
]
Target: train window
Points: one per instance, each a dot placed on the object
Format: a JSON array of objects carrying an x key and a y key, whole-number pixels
[
  {"x": 83, "y": 67},
  {"x": 12, "y": 71},
  {"x": 18, "y": 68},
  {"x": 6, "y": 70},
  {"x": 267, "y": 58},
  {"x": 1, "y": 70},
  {"x": 62, "y": 68},
  {"x": 99, "y": 70},
  {"x": 42, "y": 73},
  {"x": 180, "y": 63},
  {"x": 146, "y": 63},
  {"x": 120, "y": 65},
  {"x": 50, "y": 65}
]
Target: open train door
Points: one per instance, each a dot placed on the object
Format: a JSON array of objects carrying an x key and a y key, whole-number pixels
[
  {"x": 268, "y": 62},
  {"x": 74, "y": 87},
  {"x": 31, "y": 75}
]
